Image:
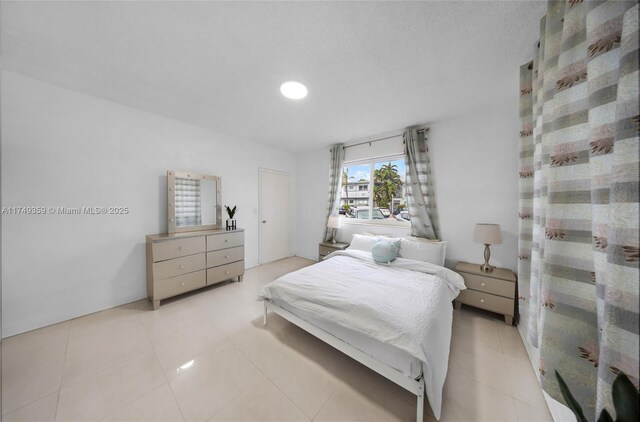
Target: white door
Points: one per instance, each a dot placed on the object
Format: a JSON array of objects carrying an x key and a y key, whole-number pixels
[{"x": 275, "y": 215}]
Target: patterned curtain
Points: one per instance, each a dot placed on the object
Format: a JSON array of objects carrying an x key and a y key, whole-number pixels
[
  {"x": 335, "y": 181},
  {"x": 579, "y": 170},
  {"x": 187, "y": 207},
  {"x": 418, "y": 181}
]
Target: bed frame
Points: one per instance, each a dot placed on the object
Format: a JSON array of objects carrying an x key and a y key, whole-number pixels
[{"x": 414, "y": 386}]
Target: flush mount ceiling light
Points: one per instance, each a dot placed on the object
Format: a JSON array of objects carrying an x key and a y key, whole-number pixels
[{"x": 293, "y": 90}]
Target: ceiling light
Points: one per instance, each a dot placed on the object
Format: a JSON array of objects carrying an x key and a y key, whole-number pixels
[{"x": 293, "y": 90}]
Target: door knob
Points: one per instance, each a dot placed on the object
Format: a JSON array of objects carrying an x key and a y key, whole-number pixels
[{"x": 264, "y": 221}]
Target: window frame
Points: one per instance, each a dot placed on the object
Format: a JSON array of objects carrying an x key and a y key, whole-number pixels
[{"x": 370, "y": 221}]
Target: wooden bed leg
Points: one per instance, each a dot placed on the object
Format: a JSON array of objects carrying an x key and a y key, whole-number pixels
[
  {"x": 420, "y": 404},
  {"x": 264, "y": 317}
]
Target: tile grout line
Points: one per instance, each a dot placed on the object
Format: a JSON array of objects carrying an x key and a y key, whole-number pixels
[
  {"x": 114, "y": 364},
  {"x": 141, "y": 397},
  {"x": 64, "y": 364},
  {"x": 269, "y": 379},
  {"x": 175, "y": 399},
  {"x": 33, "y": 401},
  {"x": 324, "y": 403},
  {"x": 59, "y": 384},
  {"x": 104, "y": 370}
]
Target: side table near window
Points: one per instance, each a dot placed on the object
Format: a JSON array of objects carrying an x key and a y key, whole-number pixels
[
  {"x": 494, "y": 291},
  {"x": 325, "y": 248}
]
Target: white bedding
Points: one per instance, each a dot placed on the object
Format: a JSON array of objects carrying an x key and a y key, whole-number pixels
[
  {"x": 406, "y": 304},
  {"x": 391, "y": 356}
]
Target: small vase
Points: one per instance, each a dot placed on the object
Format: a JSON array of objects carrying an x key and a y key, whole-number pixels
[{"x": 231, "y": 224}]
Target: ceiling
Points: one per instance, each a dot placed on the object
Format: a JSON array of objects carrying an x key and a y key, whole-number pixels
[{"x": 370, "y": 67}]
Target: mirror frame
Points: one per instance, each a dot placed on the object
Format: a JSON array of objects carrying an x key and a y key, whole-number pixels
[{"x": 171, "y": 196}]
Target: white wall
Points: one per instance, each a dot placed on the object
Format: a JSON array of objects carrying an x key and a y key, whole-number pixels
[
  {"x": 64, "y": 148},
  {"x": 474, "y": 162},
  {"x": 312, "y": 191}
]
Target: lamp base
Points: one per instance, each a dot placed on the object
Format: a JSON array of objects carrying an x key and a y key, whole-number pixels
[{"x": 485, "y": 268}]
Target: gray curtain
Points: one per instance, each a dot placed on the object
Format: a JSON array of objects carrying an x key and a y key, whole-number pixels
[
  {"x": 579, "y": 159},
  {"x": 418, "y": 184},
  {"x": 335, "y": 180}
]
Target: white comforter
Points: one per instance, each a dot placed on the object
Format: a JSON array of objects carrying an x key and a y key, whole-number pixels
[{"x": 405, "y": 303}]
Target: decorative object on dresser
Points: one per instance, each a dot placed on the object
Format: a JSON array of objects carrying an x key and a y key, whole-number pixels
[
  {"x": 325, "y": 248},
  {"x": 231, "y": 212},
  {"x": 489, "y": 234},
  {"x": 334, "y": 223},
  {"x": 193, "y": 201},
  {"x": 494, "y": 291},
  {"x": 181, "y": 262}
]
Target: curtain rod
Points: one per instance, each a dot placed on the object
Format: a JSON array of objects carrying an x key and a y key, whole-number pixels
[
  {"x": 381, "y": 139},
  {"x": 372, "y": 140}
]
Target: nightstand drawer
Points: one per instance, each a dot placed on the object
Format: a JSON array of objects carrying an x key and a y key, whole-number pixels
[
  {"x": 490, "y": 285},
  {"x": 487, "y": 301},
  {"x": 326, "y": 250}
]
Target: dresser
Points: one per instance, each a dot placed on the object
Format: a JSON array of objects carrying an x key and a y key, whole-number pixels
[
  {"x": 325, "y": 248},
  {"x": 180, "y": 262},
  {"x": 494, "y": 291}
]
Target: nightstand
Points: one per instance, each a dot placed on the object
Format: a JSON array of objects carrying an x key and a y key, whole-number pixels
[
  {"x": 325, "y": 248},
  {"x": 494, "y": 291}
]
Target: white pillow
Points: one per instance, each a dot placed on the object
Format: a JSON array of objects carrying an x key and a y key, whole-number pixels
[
  {"x": 363, "y": 243},
  {"x": 421, "y": 239},
  {"x": 433, "y": 252}
]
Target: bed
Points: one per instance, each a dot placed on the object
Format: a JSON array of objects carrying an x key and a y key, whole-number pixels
[{"x": 394, "y": 318}]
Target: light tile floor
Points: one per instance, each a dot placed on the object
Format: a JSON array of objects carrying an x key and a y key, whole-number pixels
[{"x": 206, "y": 356}]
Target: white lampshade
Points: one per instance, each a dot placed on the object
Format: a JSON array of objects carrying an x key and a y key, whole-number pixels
[
  {"x": 334, "y": 222},
  {"x": 489, "y": 234}
]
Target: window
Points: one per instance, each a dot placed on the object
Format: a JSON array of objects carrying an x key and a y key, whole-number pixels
[{"x": 373, "y": 191}]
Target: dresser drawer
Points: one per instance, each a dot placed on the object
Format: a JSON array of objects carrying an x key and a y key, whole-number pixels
[
  {"x": 178, "y": 266},
  {"x": 224, "y": 272},
  {"x": 180, "y": 284},
  {"x": 225, "y": 256},
  {"x": 223, "y": 241},
  {"x": 490, "y": 285},
  {"x": 487, "y": 301},
  {"x": 176, "y": 248}
]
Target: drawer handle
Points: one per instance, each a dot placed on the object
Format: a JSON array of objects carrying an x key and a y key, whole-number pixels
[
  {"x": 225, "y": 241},
  {"x": 227, "y": 272},
  {"x": 179, "y": 248},
  {"x": 482, "y": 284},
  {"x": 226, "y": 256},
  {"x": 182, "y": 284},
  {"x": 481, "y": 300},
  {"x": 181, "y": 266}
]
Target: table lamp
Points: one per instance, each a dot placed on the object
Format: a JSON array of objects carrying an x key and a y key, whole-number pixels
[
  {"x": 334, "y": 223},
  {"x": 489, "y": 234}
]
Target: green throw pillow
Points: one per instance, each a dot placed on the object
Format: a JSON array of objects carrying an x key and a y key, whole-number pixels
[{"x": 385, "y": 251}]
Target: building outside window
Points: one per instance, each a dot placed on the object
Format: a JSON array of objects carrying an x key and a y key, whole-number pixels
[{"x": 374, "y": 191}]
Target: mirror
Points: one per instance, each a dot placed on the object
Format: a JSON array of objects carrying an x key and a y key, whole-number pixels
[{"x": 193, "y": 202}]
